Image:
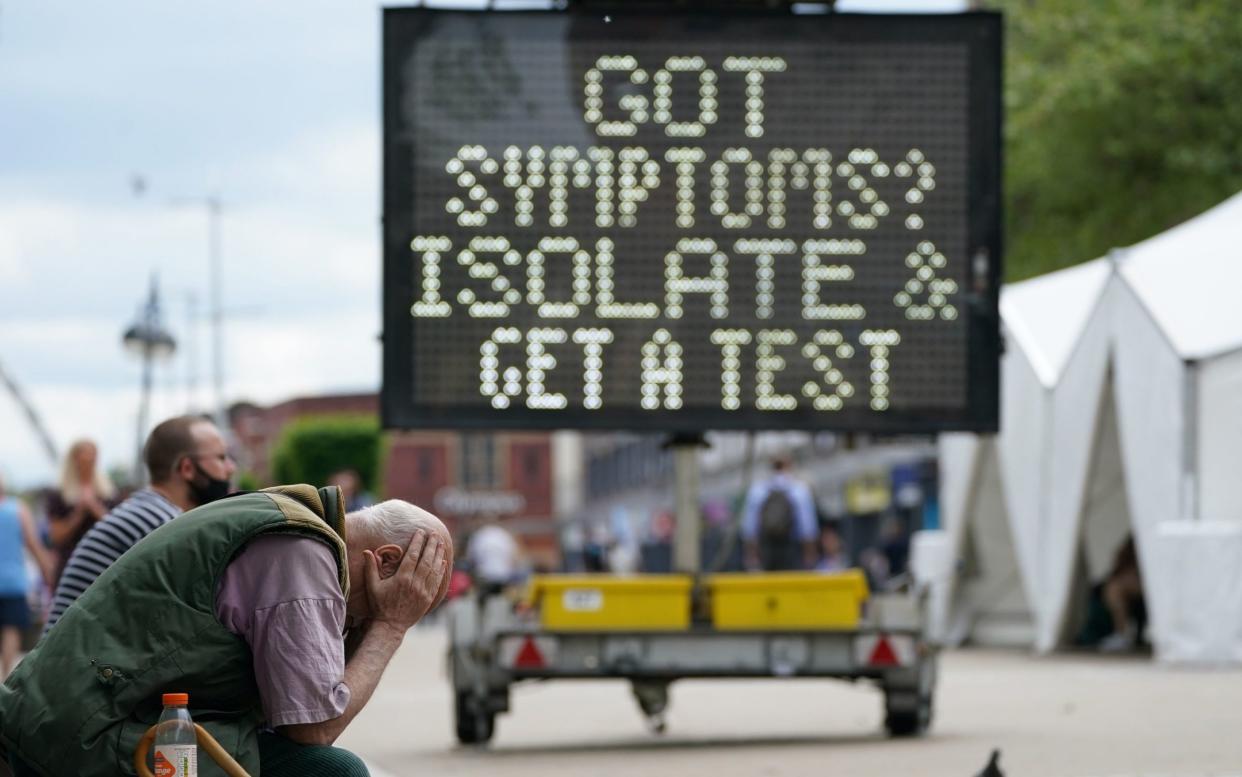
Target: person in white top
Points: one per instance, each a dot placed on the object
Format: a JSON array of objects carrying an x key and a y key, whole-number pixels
[{"x": 493, "y": 555}]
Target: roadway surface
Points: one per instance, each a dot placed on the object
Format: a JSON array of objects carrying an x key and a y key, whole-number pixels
[{"x": 1068, "y": 716}]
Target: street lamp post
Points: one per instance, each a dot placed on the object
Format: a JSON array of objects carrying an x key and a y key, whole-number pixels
[
  {"x": 215, "y": 312},
  {"x": 214, "y": 207},
  {"x": 217, "y": 323},
  {"x": 148, "y": 339}
]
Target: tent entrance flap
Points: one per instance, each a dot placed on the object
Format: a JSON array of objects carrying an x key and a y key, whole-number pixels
[
  {"x": 1106, "y": 520},
  {"x": 990, "y": 605}
]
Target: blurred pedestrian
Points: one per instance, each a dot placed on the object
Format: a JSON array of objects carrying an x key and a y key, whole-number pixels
[
  {"x": 17, "y": 531},
  {"x": 595, "y": 551},
  {"x": 84, "y": 496},
  {"x": 895, "y": 545},
  {"x": 832, "y": 553},
  {"x": 623, "y": 556},
  {"x": 494, "y": 555},
  {"x": 779, "y": 526},
  {"x": 886, "y": 560},
  {"x": 350, "y": 483},
  {"x": 188, "y": 464},
  {"x": 875, "y": 565}
]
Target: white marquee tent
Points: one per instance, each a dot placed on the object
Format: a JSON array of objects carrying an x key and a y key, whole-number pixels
[{"x": 1121, "y": 410}]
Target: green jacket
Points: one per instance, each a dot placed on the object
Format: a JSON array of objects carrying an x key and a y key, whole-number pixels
[{"x": 79, "y": 703}]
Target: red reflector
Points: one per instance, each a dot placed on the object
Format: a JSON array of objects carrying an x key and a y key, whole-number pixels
[
  {"x": 529, "y": 656},
  {"x": 882, "y": 654}
]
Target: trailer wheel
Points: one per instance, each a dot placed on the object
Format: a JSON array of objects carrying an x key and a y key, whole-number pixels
[
  {"x": 475, "y": 725},
  {"x": 907, "y": 722},
  {"x": 908, "y": 705}
]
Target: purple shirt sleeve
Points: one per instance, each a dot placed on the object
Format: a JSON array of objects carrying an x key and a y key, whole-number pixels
[{"x": 283, "y": 596}]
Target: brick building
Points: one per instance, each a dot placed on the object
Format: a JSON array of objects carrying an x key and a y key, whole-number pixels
[{"x": 455, "y": 475}]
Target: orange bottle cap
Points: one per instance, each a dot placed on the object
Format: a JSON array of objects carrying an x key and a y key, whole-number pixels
[{"x": 176, "y": 699}]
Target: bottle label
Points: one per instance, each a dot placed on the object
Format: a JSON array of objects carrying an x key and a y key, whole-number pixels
[{"x": 176, "y": 761}]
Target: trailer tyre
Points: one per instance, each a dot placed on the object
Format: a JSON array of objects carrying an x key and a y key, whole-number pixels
[
  {"x": 908, "y": 705},
  {"x": 475, "y": 725},
  {"x": 908, "y": 722}
]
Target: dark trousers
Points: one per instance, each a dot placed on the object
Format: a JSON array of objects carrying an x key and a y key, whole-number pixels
[
  {"x": 780, "y": 555},
  {"x": 279, "y": 757},
  {"x": 20, "y": 769},
  {"x": 282, "y": 757}
]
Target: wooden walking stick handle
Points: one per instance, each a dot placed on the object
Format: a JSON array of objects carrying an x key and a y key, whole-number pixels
[{"x": 206, "y": 743}]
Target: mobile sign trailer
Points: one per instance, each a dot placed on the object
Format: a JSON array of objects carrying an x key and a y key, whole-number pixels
[
  {"x": 683, "y": 220},
  {"x": 493, "y": 646}
]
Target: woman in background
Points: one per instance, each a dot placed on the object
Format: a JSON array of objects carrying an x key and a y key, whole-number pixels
[
  {"x": 85, "y": 495},
  {"x": 17, "y": 530}
]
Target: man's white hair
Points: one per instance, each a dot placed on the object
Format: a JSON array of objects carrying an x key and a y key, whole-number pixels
[{"x": 395, "y": 521}]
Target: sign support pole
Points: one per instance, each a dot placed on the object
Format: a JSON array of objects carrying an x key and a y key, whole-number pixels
[{"x": 688, "y": 516}]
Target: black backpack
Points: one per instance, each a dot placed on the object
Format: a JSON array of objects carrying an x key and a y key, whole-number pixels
[{"x": 776, "y": 517}]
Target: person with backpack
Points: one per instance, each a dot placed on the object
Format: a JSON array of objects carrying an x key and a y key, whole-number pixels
[{"x": 779, "y": 526}]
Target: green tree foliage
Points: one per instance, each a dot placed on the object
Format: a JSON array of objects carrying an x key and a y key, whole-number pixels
[
  {"x": 247, "y": 481},
  {"x": 311, "y": 449},
  {"x": 1123, "y": 118}
]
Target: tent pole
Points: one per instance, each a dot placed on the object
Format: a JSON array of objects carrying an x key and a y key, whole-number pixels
[
  {"x": 1190, "y": 441},
  {"x": 685, "y": 447}
]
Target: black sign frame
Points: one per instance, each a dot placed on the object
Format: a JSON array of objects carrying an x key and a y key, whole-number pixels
[{"x": 980, "y": 31}]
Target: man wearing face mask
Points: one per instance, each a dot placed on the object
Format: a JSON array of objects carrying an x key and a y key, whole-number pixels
[{"x": 189, "y": 466}]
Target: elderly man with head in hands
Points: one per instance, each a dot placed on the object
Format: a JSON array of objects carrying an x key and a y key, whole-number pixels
[{"x": 244, "y": 604}]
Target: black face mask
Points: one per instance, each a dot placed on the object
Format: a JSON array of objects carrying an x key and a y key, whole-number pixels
[{"x": 210, "y": 491}]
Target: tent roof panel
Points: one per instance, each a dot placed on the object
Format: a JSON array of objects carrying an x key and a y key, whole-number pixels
[
  {"x": 1046, "y": 315},
  {"x": 1190, "y": 280}
]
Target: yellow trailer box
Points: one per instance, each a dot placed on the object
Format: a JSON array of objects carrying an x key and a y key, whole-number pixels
[
  {"x": 603, "y": 602},
  {"x": 788, "y": 600}
]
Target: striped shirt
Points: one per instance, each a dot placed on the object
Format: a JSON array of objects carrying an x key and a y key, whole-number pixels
[{"x": 118, "y": 531}]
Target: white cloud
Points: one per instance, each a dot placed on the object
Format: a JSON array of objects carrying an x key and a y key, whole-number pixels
[
  {"x": 10, "y": 263},
  {"x": 72, "y": 349},
  {"x": 30, "y": 229},
  {"x": 274, "y": 259},
  {"x": 337, "y": 164},
  {"x": 304, "y": 353},
  {"x": 23, "y": 462}
]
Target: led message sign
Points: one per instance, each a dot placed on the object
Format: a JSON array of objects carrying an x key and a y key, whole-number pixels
[{"x": 684, "y": 221}]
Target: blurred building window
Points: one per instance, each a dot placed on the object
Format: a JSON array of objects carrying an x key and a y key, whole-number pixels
[{"x": 478, "y": 460}]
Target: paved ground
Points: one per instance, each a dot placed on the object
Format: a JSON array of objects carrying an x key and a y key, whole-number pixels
[{"x": 1076, "y": 716}]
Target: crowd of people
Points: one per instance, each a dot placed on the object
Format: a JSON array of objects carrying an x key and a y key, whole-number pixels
[
  {"x": 87, "y": 522},
  {"x": 782, "y": 529},
  {"x": 777, "y": 525}
]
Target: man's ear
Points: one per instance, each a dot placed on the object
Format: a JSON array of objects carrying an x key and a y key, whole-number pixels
[
  {"x": 389, "y": 558},
  {"x": 185, "y": 468}
]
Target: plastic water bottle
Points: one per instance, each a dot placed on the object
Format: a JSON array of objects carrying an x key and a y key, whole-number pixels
[{"x": 176, "y": 744}]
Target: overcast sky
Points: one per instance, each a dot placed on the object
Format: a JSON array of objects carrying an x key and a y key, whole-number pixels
[{"x": 273, "y": 105}]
